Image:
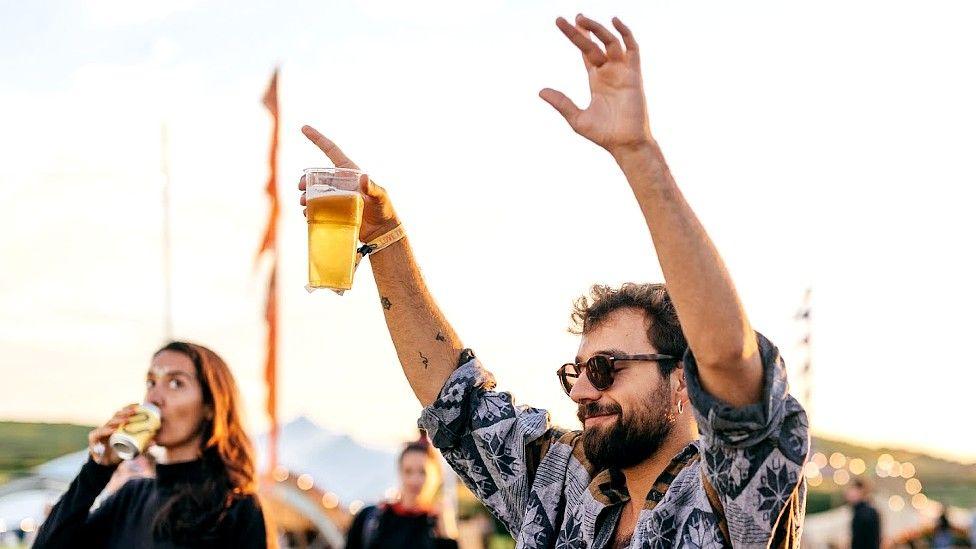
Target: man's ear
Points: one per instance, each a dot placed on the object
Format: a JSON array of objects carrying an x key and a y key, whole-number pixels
[{"x": 678, "y": 380}]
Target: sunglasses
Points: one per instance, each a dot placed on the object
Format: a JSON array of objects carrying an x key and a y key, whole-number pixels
[{"x": 600, "y": 369}]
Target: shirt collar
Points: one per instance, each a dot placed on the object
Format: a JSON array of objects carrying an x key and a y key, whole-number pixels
[{"x": 609, "y": 486}]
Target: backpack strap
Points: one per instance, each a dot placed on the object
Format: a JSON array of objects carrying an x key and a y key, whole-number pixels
[{"x": 717, "y": 507}]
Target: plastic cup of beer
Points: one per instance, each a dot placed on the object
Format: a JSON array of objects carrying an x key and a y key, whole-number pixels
[
  {"x": 334, "y": 212},
  {"x": 133, "y": 436}
]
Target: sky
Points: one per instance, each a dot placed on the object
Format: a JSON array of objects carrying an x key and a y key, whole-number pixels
[{"x": 823, "y": 146}]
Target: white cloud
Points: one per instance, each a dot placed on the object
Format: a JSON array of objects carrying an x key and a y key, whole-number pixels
[{"x": 119, "y": 13}]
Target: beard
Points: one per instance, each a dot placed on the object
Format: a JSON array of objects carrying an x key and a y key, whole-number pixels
[{"x": 633, "y": 437}]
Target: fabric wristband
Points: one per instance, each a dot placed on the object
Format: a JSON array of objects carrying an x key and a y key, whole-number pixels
[{"x": 380, "y": 242}]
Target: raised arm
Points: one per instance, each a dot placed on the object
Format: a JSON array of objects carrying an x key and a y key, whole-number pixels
[
  {"x": 425, "y": 342},
  {"x": 711, "y": 315}
]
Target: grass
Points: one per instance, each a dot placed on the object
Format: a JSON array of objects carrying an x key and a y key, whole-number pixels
[
  {"x": 946, "y": 481},
  {"x": 26, "y": 445}
]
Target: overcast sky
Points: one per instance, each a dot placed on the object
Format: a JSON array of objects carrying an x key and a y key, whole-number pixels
[{"x": 825, "y": 146}]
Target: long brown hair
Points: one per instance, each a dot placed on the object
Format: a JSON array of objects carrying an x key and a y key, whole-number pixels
[{"x": 228, "y": 455}]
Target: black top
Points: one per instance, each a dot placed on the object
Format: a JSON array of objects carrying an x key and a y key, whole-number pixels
[
  {"x": 125, "y": 519},
  {"x": 390, "y": 527},
  {"x": 865, "y": 527}
]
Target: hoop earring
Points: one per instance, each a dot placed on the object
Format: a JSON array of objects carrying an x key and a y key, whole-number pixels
[{"x": 681, "y": 407}]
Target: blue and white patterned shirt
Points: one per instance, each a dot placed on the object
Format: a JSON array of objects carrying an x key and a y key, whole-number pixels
[{"x": 536, "y": 479}]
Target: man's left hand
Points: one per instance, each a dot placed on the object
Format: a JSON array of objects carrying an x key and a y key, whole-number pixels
[{"x": 616, "y": 118}]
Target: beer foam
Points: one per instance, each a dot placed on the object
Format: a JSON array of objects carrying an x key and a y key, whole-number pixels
[{"x": 315, "y": 191}]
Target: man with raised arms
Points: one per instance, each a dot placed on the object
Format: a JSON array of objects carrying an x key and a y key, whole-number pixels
[{"x": 689, "y": 436}]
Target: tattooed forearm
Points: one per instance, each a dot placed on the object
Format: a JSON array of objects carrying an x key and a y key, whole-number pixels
[{"x": 414, "y": 320}]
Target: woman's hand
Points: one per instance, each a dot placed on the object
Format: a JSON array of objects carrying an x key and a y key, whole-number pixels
[{"x": 98, "y": 446}]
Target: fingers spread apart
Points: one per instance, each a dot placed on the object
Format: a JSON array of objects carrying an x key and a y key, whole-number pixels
[
  {"x": 593, "y": 54},
  {"x": 614, "y": 49}
]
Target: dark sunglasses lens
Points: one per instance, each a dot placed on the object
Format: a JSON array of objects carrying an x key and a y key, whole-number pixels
[
  {"x": 600, "y": 371},
  {"x": 567, "y": 376}
]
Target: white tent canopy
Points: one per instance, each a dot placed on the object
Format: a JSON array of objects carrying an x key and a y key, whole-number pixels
[{"x": 335, "y": 462}]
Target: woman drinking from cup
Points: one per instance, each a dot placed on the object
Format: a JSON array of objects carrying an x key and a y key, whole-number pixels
[{"x": 203, "y": 493}]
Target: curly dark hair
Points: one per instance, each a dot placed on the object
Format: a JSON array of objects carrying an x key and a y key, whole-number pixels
[{"x": 663, "y": 331}]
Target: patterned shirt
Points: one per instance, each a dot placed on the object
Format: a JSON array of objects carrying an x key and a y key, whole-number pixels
[{"x": 536, "y": 479}]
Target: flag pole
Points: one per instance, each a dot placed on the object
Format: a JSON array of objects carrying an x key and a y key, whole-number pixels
[
  {"x": 167, "y": 258},
  {"x": 269, "y": 244}
]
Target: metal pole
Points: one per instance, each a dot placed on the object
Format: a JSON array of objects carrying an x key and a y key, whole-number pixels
[
  {"x": 167, "y": 270},
  {"x": 804, "y": 315}
]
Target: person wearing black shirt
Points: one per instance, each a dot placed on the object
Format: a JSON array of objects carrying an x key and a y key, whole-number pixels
[
  {"x": 203, "y": 494},
  {"x": 866, "y": 523},
  {"x": 410, "y": 522}
]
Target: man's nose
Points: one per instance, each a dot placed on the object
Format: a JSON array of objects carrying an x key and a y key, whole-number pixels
[{"x": 583, "y": 391}]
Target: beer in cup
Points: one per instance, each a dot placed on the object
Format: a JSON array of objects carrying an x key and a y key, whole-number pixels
[
  {"x": 334, "y": 214},
  {"x": 133, "y": 436}
]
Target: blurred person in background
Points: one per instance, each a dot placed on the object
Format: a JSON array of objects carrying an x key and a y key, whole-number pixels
[
  {"x": 942, "y": 534},
  {"x": 203, "y": 492},
  {"x": 945, "y": 534},
  {"x": 972, "y": 528},
  {"x": 866, "y": 523},
  {"x": 414, "y": 520}
]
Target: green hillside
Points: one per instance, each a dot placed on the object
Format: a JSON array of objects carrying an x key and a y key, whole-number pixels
[
  {"x": 24, "y": 445},
  {"x": 942, "y": 480}
]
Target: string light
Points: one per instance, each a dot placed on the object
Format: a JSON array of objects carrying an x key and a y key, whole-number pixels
[
  {"x": 919, "y": 501},
  {"x": 280, "y": 474},
  {"x": 907, "y": 470},
  {"x": 895, "y": 470},
  {"x": 815, "y": 481},
  {"x": 913, "y": 486},
  {"x": 811, "y": 470},
  {"x": 28, "y": 525},
  {"x": 857, "y": 466},
  {"x": 837, "y": 460},
  {"x": 896, "y": 503},
  {"x": 330, "y": 500},
  {"x": 819, "y": 459},
  {"x": 841, "y": 477},
  {"x": 356, "y": 506},
  {"x": 305, "y": 482}
]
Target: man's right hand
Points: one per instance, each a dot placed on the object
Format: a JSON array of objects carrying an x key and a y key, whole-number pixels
[
  {"x": 98, "y": 446},
  {"x": 378, "y": 215},
  {"x": 426, "y": 344}
]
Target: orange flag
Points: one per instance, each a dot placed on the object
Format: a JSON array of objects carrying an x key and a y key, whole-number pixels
[{"x": 269, "y": 244}]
